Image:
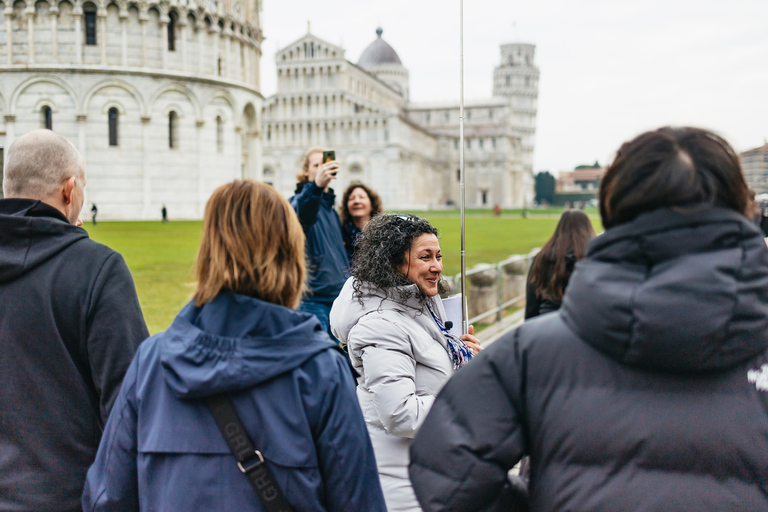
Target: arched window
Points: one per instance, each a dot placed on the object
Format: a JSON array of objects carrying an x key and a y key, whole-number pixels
[
  {"x": 173, "y": 130},
  {"x": 219, "y": 134},
  {"x": 47, "y": 120},
  {"x": 218, "y": 66},
  {"x": 172, "y": 32},
  {"x": 268, "y": 172},
  {"x": 355, "y": 169},
  {"x": 112, "y": 126},
  {"x": 90, "y": 23}
]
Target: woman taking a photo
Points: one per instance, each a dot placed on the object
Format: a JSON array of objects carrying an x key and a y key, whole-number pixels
[
  {"x": 391, "y": 317},
  {"x": 358, "y": 205},
  {"x": 554, "y": 264},
  {"x": 239, "y": 338}
]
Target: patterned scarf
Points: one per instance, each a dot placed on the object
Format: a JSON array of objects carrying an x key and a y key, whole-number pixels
[{"x": 460, "y": 353}]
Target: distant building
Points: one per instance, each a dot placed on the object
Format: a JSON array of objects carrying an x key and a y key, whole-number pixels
[
  {"x": 754, "y": 162},
  {"x": 408, "y": 152},
  {"x": 583, "y": 179}
]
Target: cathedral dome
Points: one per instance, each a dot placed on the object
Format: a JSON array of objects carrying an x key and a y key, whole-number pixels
[{"x": 378, "y": 52}]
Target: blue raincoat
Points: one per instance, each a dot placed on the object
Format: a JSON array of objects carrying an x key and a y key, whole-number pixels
[{"x": 291, "y": 389}]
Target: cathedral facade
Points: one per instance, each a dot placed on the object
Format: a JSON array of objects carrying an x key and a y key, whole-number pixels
[
  {"x": 408, "y": 152},
  {"x": 161, "y": 98}
]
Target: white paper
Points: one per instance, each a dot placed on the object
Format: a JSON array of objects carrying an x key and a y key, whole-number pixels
[{"x": 452, "y": 307}]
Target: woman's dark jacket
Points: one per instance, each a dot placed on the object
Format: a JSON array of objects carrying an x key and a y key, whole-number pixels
[
  {"x": 647, "y": 390},
  {"x": 328, "y": 262},
  {"x": 291, "y": 389},
  {"x": 536, "y": 304},
  {"x": 349, "y": 233}
]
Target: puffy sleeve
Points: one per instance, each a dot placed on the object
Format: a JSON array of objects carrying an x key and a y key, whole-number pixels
[
  {"x": 473, "y": 435},
  {"x": 389, "y": 373}
]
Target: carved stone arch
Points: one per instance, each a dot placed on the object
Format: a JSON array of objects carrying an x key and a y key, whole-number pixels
[
  {"x": 110, "y": 104},
  {"x": 227, "y": 97},
  {"x": 131, "y": 89},
  {"x": 41, "y": 79},
  {"x": 196, "y": 107},
  {"x": 45, "y": 102}
]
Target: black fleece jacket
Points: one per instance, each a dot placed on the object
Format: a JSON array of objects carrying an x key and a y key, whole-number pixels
[
  {"x": 646, "y": 391},
  {"x": 70, "y": 323}
]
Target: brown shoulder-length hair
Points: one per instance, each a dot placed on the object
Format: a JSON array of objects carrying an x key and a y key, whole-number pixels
[
  {"x": 672, "y": 167},
  {"x": 301, "y": 176},
  {"x": 552, "y": 268},
  {"x": 252, "y": 244},
  {"x": 376, "y": 205}
]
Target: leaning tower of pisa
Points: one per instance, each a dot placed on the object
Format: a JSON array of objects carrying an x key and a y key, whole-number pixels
[{"x": 161, "y": 98}]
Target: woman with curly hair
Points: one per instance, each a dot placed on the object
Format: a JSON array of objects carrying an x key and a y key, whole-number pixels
[
  {"x": 390, "y": 316},
  {"x": 359, "y": 204}
]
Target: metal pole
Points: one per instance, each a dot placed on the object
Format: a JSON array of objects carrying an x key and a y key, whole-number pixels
[{"x": 464, "y": 312}]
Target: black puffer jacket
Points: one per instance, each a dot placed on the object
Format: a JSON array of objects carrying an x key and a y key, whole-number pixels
[{"x": 648, "y": 390}]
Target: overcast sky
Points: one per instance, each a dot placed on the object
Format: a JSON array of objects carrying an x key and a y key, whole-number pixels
[{"x": 609, "y": 69}]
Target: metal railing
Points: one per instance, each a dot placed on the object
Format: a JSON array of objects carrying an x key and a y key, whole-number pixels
[{"x": 501, "y": 275}]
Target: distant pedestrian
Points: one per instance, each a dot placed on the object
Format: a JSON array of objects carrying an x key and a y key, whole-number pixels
[
  {"x": 553, "y": 266},
  {"x": 70, "y": 323},
  {"x": 239, "y": 340},
  {"x": 164, "y": 213},
  {"x": 358, "y": 205},
  {"x": 94, "y": 212},
  {"x": 648, "y": 389}
]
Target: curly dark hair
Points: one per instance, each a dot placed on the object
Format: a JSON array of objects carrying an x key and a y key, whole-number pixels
[
  {"x": 377, "y": 206},
  {"x": 382, "y": 247}
]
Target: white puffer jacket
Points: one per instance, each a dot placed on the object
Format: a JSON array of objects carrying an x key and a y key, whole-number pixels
[{"x": 403, "y": 361}]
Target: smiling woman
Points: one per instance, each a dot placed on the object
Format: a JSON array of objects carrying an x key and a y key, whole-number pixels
[{"x": 391, "y": 318}]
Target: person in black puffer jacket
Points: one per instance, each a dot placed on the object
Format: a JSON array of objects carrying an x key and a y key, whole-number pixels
[
  {"x": 648, "y": 389},
  {"x": 554, "y": 264}
]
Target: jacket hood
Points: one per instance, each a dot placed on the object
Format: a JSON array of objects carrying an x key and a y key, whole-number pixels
[
  {"x": 347, "y": 310},
  {"x": 674, "y": 292},
  {"x": 31, "y": 233},
  {"x": 236, "y": 342}
]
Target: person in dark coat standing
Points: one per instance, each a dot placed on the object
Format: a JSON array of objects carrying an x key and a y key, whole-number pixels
[
  {"x": 70, "y": 323},
  {"x": 359, "y": 204},
  {"x": 648, "y": 389},
  {"x": 553, "y": 266},
  {"x": 240, "y": 337},
  {"x": 94, "y": 212},
  {"x": 328, "y": 262}
]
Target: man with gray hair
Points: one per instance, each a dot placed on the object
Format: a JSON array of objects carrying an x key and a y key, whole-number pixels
[{"x": 70, "y": 322}]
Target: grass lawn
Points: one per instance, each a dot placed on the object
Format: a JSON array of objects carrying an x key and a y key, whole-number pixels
[{"x": 161, "y": 256}]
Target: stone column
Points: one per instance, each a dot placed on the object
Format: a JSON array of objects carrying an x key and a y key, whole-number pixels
[
  {"x": 81, "y": 141},
  {"x": 54, "y": 33},
  {"x": 9, "y": 33},
  {"x": 124, "y": 37},
  {"x": 200, "y": 190},
  {"x": 246, "y": 60},
  {"x": 228, "y": 52},
  {"x": 101, "y": 15},
  {"x": 482, "y": 290},
  {"x": 200, "y": 26},
  {"x": 143, "y": 19},
  {"x": 215, "y": 31},
  {"x": 30, "y": 12},
  {"x": 515, "y": 274},
  {"x": 239, "y": 152},
  {"x": 78, "y": 14},
  {"x": 164, "y": 21},
  {"x": 183, "y": 37},
  {"x": 10, "y": 131},
  {"x": 146, "y": 184}
]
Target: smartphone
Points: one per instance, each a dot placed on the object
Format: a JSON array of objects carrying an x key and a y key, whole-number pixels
[{"x": 329, "y": 156}]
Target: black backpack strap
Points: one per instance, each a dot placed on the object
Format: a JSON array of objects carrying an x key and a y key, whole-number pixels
[{"x": 250, "y": 461}]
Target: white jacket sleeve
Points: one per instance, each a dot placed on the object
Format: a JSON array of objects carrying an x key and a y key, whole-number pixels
[{"x": 389, "y": 372}]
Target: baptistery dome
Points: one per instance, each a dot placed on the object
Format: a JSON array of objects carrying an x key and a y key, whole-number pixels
[
  {"x": 382, "y": 61},
  {"x": 161, "y": 98}
]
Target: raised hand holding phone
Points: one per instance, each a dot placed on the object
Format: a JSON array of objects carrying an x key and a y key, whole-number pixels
[{"x": 328, "y": 169}]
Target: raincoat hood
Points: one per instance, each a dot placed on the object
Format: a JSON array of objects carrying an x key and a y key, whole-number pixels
[
  {"x": 31, "y": 233},
  {"x": 674, "y": 292},
  {"x": 236, "y": 342}
]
